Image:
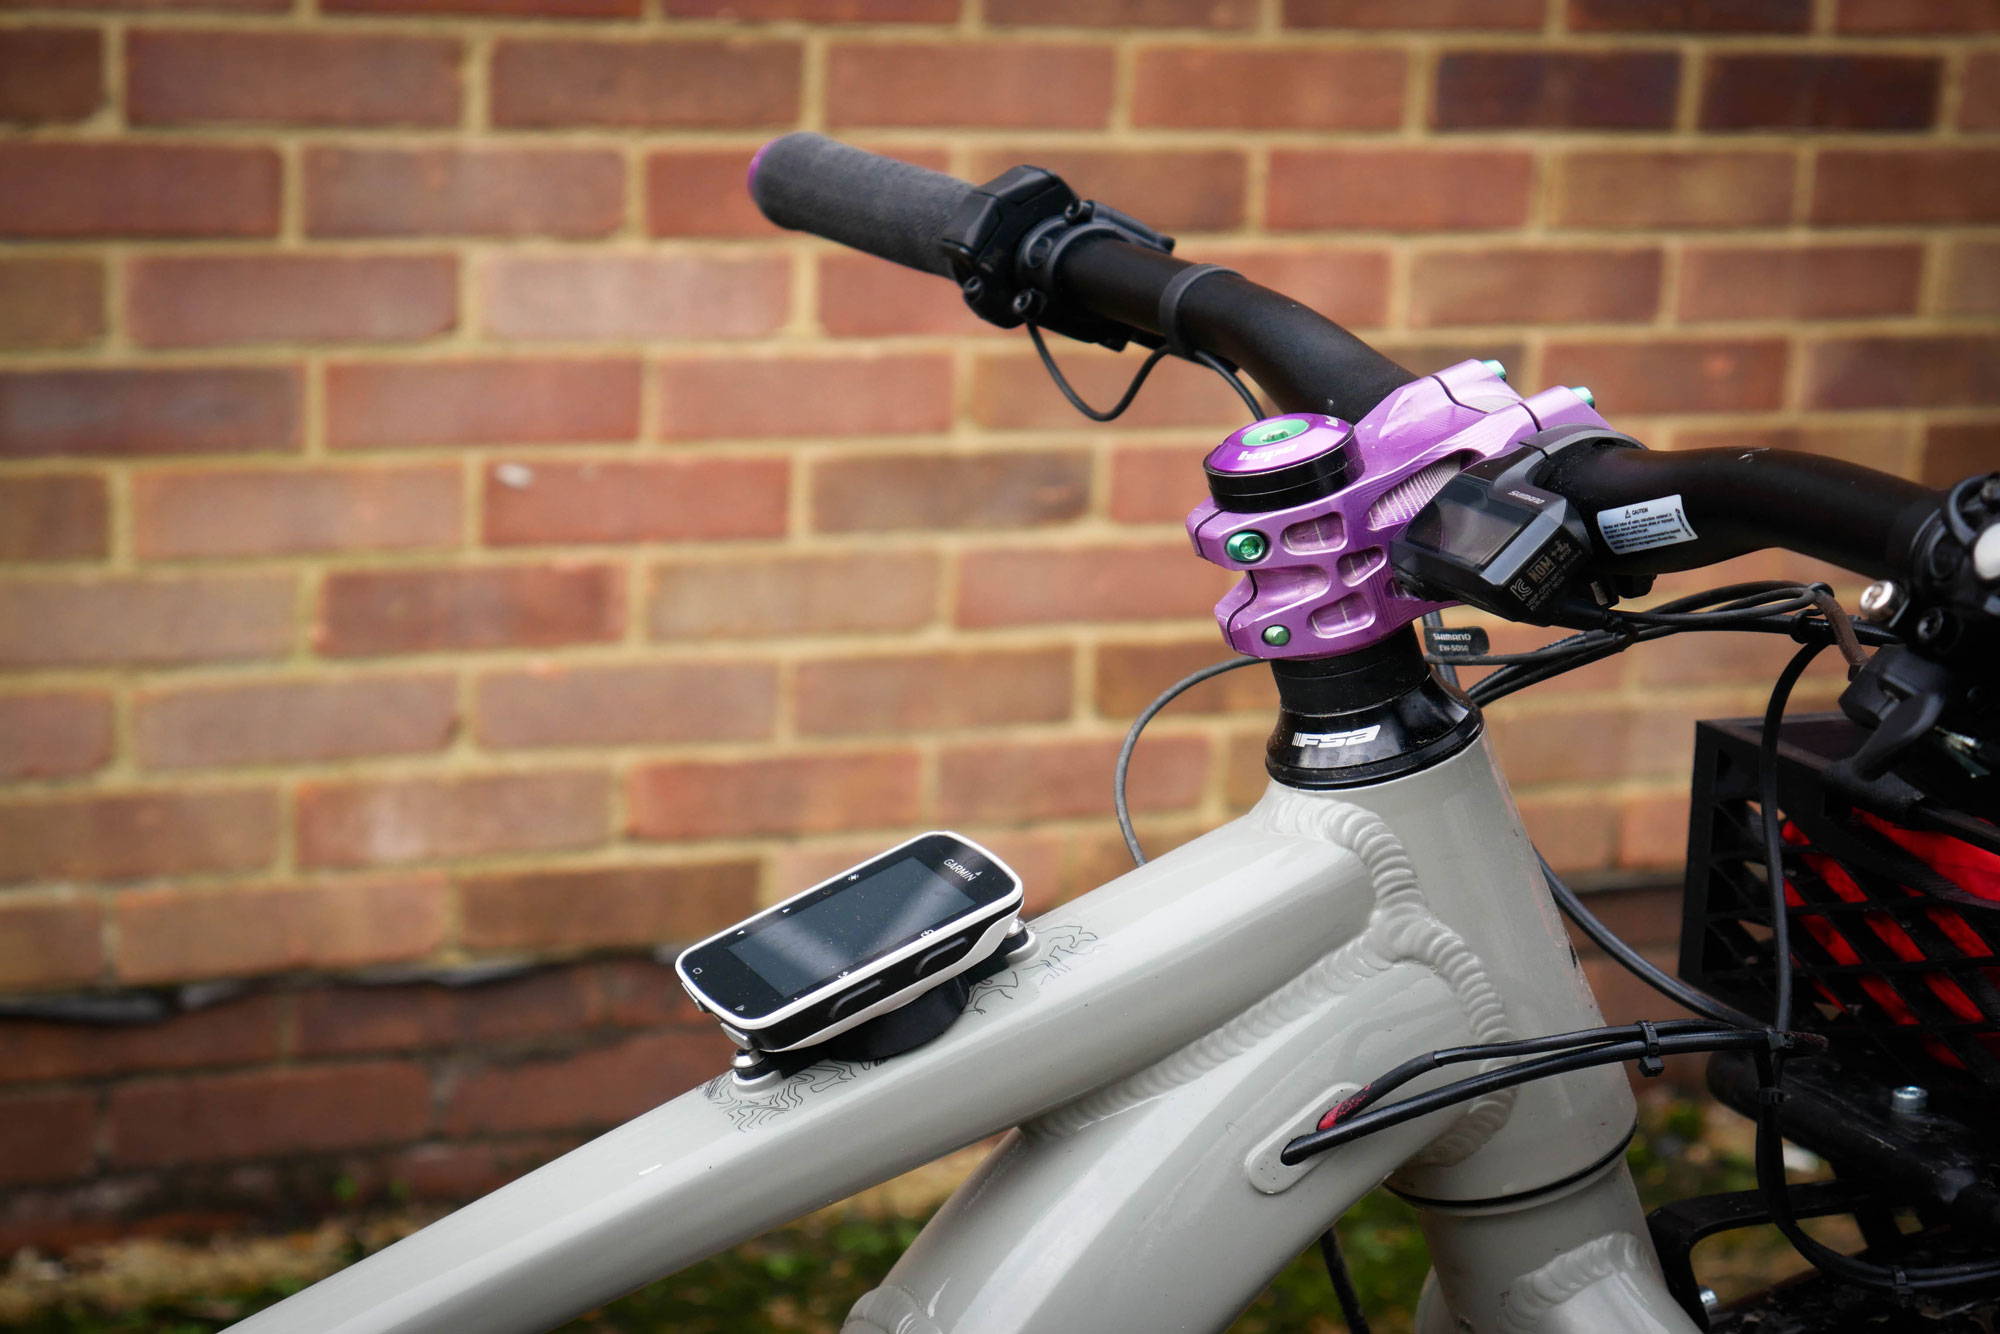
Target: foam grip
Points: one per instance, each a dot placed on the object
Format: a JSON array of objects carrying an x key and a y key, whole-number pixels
[{"x": 887, "y": 208}]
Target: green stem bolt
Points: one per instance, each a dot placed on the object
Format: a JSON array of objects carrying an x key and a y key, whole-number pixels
[
  {"x": 1499, "y": 371},
  {"x": 1277, "y": 636},
  {"x": 1247, "y": 546},
  {"x": 1582, "y": 391}
]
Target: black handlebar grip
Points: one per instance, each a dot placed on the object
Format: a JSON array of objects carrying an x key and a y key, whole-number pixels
[{"x": 894, "y": 210}]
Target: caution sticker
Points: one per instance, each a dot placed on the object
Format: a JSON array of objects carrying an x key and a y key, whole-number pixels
[{"x": 1648, "y": 524}]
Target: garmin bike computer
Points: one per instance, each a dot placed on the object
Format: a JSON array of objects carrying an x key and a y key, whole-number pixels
[{"x": 856, "y": 946}]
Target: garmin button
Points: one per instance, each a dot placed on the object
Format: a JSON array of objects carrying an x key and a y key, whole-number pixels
[
  {"x": 948, "y": 953},
  {"x": 858, "y": 999}
]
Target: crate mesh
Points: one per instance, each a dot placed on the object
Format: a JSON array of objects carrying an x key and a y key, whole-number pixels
[{"x": 1895, "y": 930}]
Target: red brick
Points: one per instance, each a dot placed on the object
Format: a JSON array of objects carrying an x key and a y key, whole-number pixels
[
  {"x": 1707, "y": 375},
  {"x": 555, "y": 704},
  {"x": 1429, "y": 354},
  {"x": 1803, "y": 92},
  {"x": 1235, "y": 88},
  {"x": 1653, "y": 831},
  {"x": 51, "y": 302},
  {"x": 281, "y": 512},
  {"x": 543, "y": 83},
  {"x": 1941, "y": 371},
  {"x": 1220, "y": 14},
  {"x": 267, "y": 1113},
  {"x": 1916, "y": 16},
  {"x": 1954, "y": 450},
  {"x": 817, "y": 11},
  {"x": 907, "y": 693},
  {"x": 54, "y": 734},
  {"x": 1011, "y": 392},
  {"x": 636, "y": 296},
  {"x": 860, "y": 295},
  {"x": 1918, "y": 185},
  {"x": 1129, "y": 676},
  {"x": 987, "y": 85},
  {"x": 53, "y": 516},
  {"x": 763, "y": 596},
  {"x": 47, "y": 943},
  {"x": 554, "y": 9},
  {"x": 1348, "y": 284},
  {"x": 1047, "y": 585},
  {"x": 1591, "y": 90},
  {"x": 114, "y": 621},
  {"x": 1576, "y": 834},
  {"x": 186, "y": 76},
  {"x": 122, "y": 836},
  {"x": 1539, "y": 286},
  {"x": 50, "y": 1136},
  {"x": 345, "y": 1021},
  {"x": 1044, "y": 780},
  {"x": 846, "y": 394},
  {"x": 781, "y": 794},
  {"x": 602, "y": 907},
  {"x": 494, "y": 606},
  {"x": 243, "y": 1031},
  {"x": 569, "y": 193},
  {"x": 1689, "y": 15},
  {"x": 638, "y": 993},
  {"x": 1571, "y": 744},
  {"x": 376, "y": 405},
  {"x": 176, "y": 935},
  {"x": 1972, "y": 278},
  {"x": 1979, "y": 92},
  {"x": 1454, "y": 15},
  {"x": 1156, "y": 483},
  {"x": 214, "y": 300},
  {"x": 1673, "y": 188},
  {"x": 130, "y": 189},
  {"x": 1176, "y": 190},
  {"x": 662, "y": 500},
  {"x": 594, "y": 1088},
  {"x": 50, "y": 75},
  {"x": 265, "y": 6},
  {"x": 293, "y": 722},
  {"x": 394, "y": 820},
  {"x": 122, "y": 413},
  {"x": 702, "y": 192},
  {"x": 1415, "y": 189},
  {"x": 957, "y": 492},
  {"x": 1783, "y": 283}
]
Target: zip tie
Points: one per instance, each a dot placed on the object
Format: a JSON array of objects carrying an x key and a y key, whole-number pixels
[
  {"x": 1170, "y": 306},
  {"x": 1651, "y": 1063}
]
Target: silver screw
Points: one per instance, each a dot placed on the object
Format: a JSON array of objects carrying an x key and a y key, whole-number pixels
[
  {"x": 1710, "y": 1301},
  {"x": 1910, "y": 1100},
  {"x": 1880, "y": 602}
]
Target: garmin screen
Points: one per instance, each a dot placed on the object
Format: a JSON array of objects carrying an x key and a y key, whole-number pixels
[{"x": 817, "y": 942}]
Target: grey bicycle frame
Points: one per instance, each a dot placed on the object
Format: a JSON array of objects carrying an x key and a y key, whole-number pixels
[{"x": 1173, "y": 1030}]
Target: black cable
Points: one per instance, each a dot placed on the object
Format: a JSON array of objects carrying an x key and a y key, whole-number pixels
[
  {"x": 1774, "y": 848},
  {"x": 1117, "y": 409},
  {"x": 1562, "y": 1063},
  {"x": 1343, "y": 1284},
  {"x": 1235, "y": 382},
  {"x": 1124, "y": 764}
]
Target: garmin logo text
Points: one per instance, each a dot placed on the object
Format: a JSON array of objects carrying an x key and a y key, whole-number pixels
[
  {"x": 1337, "y": 740},
  {"x": 951, "y": 865}
]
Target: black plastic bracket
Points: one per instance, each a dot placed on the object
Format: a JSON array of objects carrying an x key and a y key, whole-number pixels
[{"x": 1006, "y": 240}]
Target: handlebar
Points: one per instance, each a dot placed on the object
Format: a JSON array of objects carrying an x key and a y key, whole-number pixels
[{"x": 1736, "y": 500}]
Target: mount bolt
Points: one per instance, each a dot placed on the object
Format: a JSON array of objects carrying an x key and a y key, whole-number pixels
[
  {"x": 1582, "y": 391},
  {"x": 1711, "y": 1301},
  {"x": 1277, "y": 636},
  {"x": 1882, "y": 601},
  {"x": 1499, "y": 371},
  {"x": 1248, "y": 546},
  {"x": 1910, "y": 1100}
]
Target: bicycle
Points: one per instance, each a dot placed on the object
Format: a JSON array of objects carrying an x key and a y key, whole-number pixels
[{"x": 1197, "y": 1059}]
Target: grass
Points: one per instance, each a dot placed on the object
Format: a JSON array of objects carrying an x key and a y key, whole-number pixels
[{"x": 802, "y": 1279}]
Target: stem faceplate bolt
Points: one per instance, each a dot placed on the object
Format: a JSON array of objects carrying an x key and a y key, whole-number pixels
[
  {"x": 1277, "y": 636},
  {"x": 1247, "y": 546}
]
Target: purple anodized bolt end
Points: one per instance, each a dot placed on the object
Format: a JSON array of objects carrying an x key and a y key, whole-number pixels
[{"x": 1317, "y": 580}]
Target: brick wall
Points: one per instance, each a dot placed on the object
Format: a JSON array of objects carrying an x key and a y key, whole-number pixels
[{"x": 444, "y": 524}]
